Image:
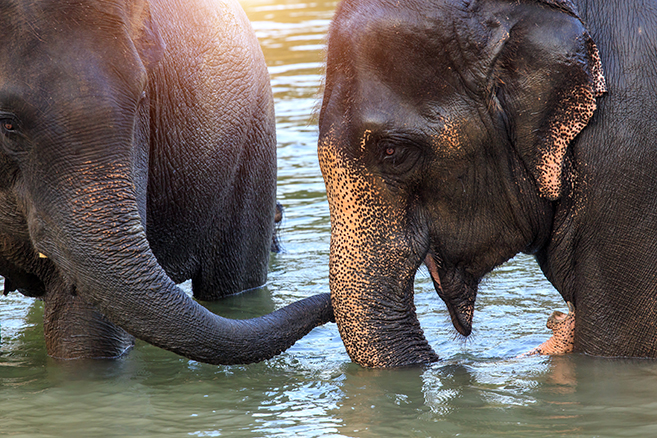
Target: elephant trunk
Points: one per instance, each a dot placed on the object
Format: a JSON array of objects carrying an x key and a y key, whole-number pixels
[
  {"x": 372, "y": 268},
  {"x": 376, "y": 318},
  {"x": 100, "y": 248}
]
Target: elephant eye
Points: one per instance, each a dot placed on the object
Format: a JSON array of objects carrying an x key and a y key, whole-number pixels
[
  {"x": 8, "y": 126},
  {"x": 11, "y": 136},
  {"x": 389, "y": 151},
  {"x": 398, "y": 158},
  {"x": 394, "y": 154}
]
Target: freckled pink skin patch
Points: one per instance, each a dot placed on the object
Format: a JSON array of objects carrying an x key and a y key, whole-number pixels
[
  {"x": 563, "y": 334},
  {"x": 577, "y": 111}
]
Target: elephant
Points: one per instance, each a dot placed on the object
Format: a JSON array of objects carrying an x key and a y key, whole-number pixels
[
  {"x": 459, "y": 133},
  {"x": 137, "y": 151}
]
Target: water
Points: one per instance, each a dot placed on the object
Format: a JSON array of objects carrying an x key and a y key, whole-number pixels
[{"x": 479, "y": 389}]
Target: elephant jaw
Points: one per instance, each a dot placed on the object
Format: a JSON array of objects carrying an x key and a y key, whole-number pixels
[{"x": 459, "y": 304}]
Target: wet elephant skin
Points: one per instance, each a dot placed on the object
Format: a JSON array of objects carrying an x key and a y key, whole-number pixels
[
  {"x": 138, "y": 150},
  {"x": 460, "y": 133}
]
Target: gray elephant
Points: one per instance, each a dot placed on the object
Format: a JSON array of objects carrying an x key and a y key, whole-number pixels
[
  {"x": 137, "y": 150},
  {"x": 457, "y": 133}
]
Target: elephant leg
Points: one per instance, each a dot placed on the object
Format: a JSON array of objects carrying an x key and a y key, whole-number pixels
[
  {"x": 563, "y": 334},
  {"x": 74, "y": 329}
]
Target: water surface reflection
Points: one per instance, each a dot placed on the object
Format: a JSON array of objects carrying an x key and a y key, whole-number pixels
[{"x": 479, "y": 389}]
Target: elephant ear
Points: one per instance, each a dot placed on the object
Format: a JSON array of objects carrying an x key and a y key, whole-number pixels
[
  {"x": 145, "y": 33},
  {"x": 548, "y": 77}
]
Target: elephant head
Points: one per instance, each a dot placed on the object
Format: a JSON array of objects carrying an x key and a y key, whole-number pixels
[
  {"x": 77, "y": 117},
  {"x": 444, "y": 139}
]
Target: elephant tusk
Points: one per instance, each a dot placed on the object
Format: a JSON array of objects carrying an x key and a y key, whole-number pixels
[{"x": 42, "y": 256}]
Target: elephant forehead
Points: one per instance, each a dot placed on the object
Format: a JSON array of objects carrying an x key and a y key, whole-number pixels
[
  {"x": 423, "y": 46},
  {"x": 413, "y": 64},
  {"x": 354, "y": 17}
]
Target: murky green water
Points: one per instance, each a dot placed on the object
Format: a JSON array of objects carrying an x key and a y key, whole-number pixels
[{"x": 312, "y": 390}]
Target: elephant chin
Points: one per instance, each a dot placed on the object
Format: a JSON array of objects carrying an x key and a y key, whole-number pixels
[{"x": 459, "y": 304}]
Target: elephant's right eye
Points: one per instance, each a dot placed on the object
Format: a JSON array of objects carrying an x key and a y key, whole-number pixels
[
  {"x": 398, "y": 159},
  {"x": 11, "y": 135},
  {"x": 8, "y": 126}
]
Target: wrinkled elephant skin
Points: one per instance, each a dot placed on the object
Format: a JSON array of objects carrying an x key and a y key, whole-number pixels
[
  {"x": 138, "y": 150},
  {"x": 460, "y": 133}
]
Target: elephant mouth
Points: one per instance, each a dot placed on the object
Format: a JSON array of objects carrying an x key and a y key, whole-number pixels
[{"x": 457, "y": 295}]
